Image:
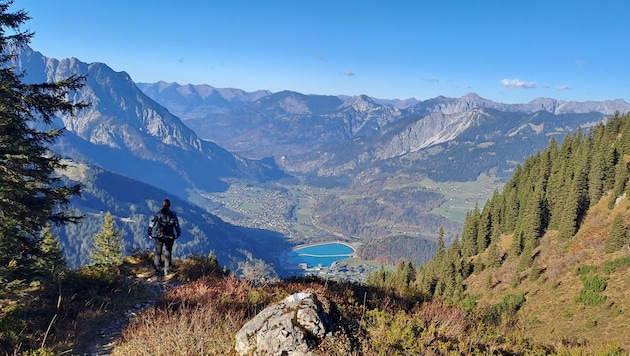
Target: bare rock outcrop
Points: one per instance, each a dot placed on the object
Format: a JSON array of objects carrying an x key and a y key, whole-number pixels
[{"x": 294, "y": 326}]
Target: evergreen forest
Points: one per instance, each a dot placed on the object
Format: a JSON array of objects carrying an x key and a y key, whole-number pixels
[{"x": 550, "y": 191}]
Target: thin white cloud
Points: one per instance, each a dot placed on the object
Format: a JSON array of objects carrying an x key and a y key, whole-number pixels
[
  {"x": 348, "y": 73},
  {"x": 517, "y": 83},
  {"x": 563, "y": 87},
  {"x": 432, "y": 80}
]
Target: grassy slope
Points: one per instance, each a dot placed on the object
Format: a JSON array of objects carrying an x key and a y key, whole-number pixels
[{"x": 550, "y": 314}]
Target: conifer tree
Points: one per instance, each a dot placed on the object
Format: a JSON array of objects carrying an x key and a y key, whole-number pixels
[
  {"x": 469, "y": 234},
  {"x": 493, "y": 258},
  {"x": 410, "y": 273},
  {"x": 623, "y": 142},
  {"x": 484, "y": 228},
  {"x": 108, "y": 244},
  {"x": 441, "y": 245},
  {"x": 32, "y": 195},
  {"x": 559, "y": 179},
  {"x": 455, "y": 247},
  {"x": 377, "y": 278},
  {"x": 51, "y": 269},
  {"x": 404, "y": 276},
  {"x": 399, "y": 279},
  {"x": 618, "y": 236},
  {"x": 52, "y": 259},
  {"x": 425, "y": 280},
  {"x": 518, "y": 241},
  {"x": 510, "y": 207},
  {"x": 621, "y": 181},
  {"x": 576, "y": 205}
]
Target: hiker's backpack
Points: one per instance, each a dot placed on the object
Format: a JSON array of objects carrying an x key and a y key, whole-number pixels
[{"x": 165, "y": 224}]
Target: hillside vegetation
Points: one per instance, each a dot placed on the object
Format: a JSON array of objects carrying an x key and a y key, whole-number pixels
[
  {"x": 554, "y": 243},
  {"x": 540, "y": 269}
]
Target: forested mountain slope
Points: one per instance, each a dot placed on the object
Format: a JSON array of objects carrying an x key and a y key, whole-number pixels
[{"x": 554, "y": 243}]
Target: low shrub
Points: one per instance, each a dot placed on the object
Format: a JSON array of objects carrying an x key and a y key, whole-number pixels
[{"x": 611, "y": 266}]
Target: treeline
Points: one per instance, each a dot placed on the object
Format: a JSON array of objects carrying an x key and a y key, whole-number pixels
[{"x": 551, "y": 190}]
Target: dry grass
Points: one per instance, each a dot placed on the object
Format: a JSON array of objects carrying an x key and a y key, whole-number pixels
[
  {"x": 201, "y": 315},
  {"x": 550, "y": 314}
]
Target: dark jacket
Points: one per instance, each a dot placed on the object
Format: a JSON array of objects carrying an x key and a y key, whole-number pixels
[{"x": 164, "y": 225}]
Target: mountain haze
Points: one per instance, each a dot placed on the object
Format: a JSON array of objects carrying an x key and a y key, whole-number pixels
[
  {"x": 192, "y": 101},
  {"x": 367, "y": 166},
  {"x": 267, "y": 126},
  {"x": 370, "y": 150},
  {"x": 133, "y": 203},
  {"x": 127, "y": 132}
]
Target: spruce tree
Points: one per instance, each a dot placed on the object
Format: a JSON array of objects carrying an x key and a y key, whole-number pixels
[
  {"x": 52, "y": 259},
  {"x": 485, "y": 228},
  {"x": 377, "y": 278},
  {"x": 469, "y": 234},
  {"x": 441, "y": 245},
  {"x": 493, "y": 258},
  {"x": 618, "y": 236},
  {"x": 108, "y": 244},
  {"x": 32, "y": 195},
  {"x": 511, "y": 207}
]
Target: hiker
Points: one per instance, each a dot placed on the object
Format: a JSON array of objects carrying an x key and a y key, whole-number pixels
[{"x": 164, "y": 229}]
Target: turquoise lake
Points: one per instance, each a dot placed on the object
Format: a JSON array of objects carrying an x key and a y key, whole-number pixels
[{"x": 324, "y": 254}]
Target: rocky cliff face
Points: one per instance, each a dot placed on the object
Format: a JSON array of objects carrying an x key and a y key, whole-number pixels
[
  {"x": 289, "y": 124},
  {"x": 129, "y": 133},
  {"x": 464, "y": 144},
  {"x": 473, "y": 101},
  {"x": 196, "y": 101}
]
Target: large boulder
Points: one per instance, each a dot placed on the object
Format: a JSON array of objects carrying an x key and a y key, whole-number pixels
[{"x": 294, "y": 326}]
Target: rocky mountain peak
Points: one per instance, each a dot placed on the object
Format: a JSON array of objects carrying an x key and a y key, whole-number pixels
[
  {"x": 359, "y": 103},
  {"x": 125, "y": 131}
]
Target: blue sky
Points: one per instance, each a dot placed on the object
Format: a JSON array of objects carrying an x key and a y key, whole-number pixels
[{"x": 507, "y": 51}]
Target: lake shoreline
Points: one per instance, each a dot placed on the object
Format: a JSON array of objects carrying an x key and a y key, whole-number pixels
[{"x": 318, "y": 255}]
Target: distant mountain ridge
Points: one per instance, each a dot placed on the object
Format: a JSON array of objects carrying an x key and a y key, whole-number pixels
[
  {"x": 197, "y": 100},
  {"x": 125, "y": 131},
  {"x": 178, "y": 98},
  {"x": 289, "y": 123},
  {"x": 378, "y": 150},
  {"x": 473, "y": 101}
]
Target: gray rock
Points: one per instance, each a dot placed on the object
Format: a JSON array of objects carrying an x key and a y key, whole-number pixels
[{"x": 294, "y": 326}]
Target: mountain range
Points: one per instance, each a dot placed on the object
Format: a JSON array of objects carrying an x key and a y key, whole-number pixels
[
  {"x": 263, "y": 124},
  {"x": 125, "y": 131},
  {"x": 197, "y": 141},
  {"x": 339, "y": 137}
]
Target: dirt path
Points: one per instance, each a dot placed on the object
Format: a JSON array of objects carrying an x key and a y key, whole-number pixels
[{"x": 103, "y": 342}]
